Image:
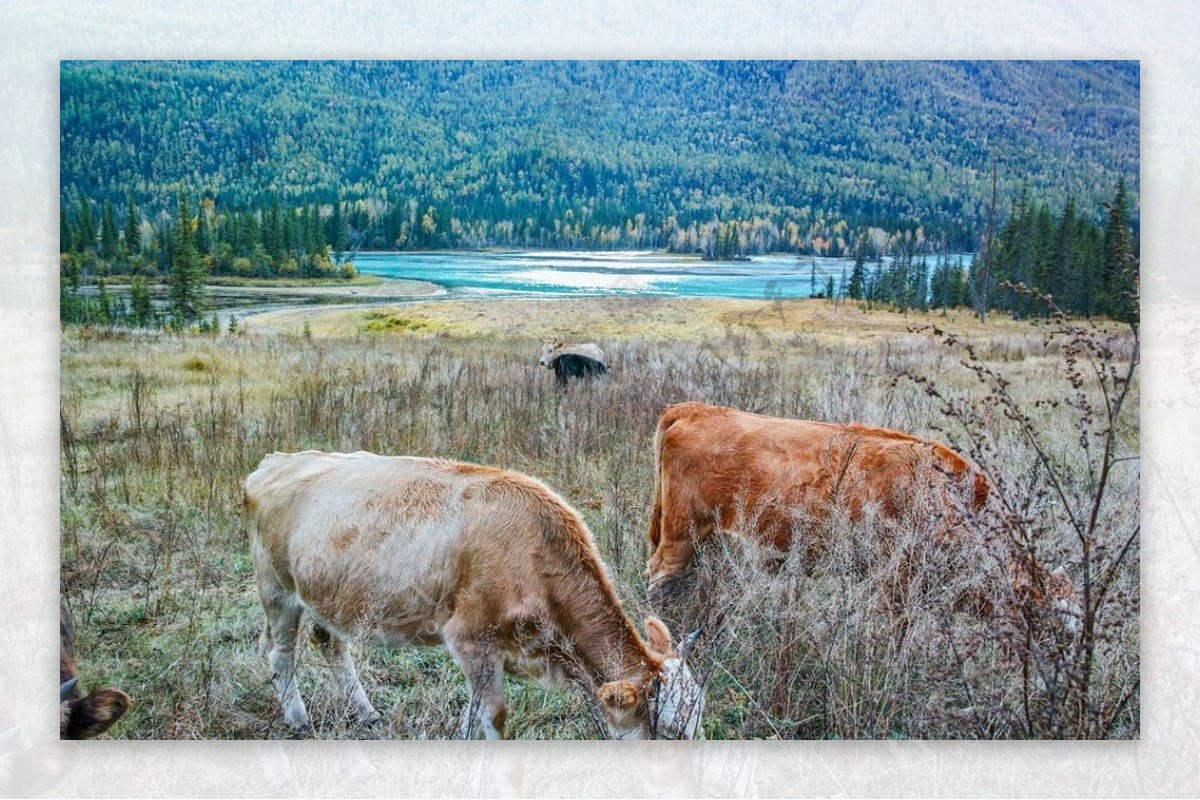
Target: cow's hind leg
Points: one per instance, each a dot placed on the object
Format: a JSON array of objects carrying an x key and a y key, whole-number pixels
[
  {"x": 283, "y": 621},
  {"x": 483, "y": 666},
  {"x": 334, "y": 648}
]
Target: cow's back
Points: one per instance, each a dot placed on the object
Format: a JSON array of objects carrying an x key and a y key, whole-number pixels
[
  {"x": 366, "y": 539},
  {"x": 398, "y": 544}
]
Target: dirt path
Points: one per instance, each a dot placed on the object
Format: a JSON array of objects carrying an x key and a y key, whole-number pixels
[
  {"x": 398, "y": 288},
  {"x": 299, "y": 303}
]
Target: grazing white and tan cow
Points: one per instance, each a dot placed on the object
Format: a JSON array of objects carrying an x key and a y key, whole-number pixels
[
  {"x": 489, "y": 563},
  {"x": 766, "y": 478},
  {"x": 82, "y": 716},
  {"x": 553, "y": 348}
]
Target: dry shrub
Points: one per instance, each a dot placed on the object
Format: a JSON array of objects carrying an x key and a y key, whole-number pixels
[
  {"x": 1065, "y": 480},
  {"x": 852, "y": 633}
]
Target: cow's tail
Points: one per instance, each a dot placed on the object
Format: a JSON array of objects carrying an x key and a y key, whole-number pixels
[
  {"x": 669, "y": 417},
  {"x": 655, "y": 532}
]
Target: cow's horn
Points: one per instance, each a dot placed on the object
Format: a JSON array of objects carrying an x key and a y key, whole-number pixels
[
  {"x": 688, "y": 641},
  {"x": 65, "y": 689}
]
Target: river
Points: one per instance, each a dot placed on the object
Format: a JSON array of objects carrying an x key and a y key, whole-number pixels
[{"x": 541, "y": 272}]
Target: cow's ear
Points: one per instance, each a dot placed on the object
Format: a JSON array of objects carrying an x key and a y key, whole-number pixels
[
  {"x": 657, "y": 636},
  {"x": 96, "y": 713},
  {"x": 619, "y": 696}
]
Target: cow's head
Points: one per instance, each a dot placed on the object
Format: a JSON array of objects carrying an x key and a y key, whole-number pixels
[
  {"x": 667, "y": 705},
  {"x": 549, "y": 348}
]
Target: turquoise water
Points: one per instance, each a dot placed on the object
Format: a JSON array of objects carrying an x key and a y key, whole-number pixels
[{"x": 589, "y": 273}]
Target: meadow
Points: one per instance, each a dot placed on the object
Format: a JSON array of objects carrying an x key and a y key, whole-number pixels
[{"x": 158, "y": 431}]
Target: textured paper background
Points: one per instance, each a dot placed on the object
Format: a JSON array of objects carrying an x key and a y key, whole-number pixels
[{"x": 36, "y": 35}]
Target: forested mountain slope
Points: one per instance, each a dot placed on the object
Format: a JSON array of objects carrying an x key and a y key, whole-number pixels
[{"x": 802, "y": 155}]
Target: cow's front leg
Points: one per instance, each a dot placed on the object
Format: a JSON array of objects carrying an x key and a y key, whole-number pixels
[
  {"x": 337, "y": 654},
  {"x": 483, "y": 667}
]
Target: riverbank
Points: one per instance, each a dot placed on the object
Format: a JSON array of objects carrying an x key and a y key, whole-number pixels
[
  {"x": 367, "y": 286},
  {"x": 623, "y": 318}
]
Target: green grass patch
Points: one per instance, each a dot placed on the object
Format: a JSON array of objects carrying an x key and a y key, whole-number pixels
[{"x": 380, "y": 321}]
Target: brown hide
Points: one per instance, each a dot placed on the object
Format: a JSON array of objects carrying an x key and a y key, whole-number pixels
[{"x": 766, "y": 478}]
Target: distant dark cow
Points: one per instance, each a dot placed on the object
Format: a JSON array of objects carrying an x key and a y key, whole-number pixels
[
  {"x": 552, "y": 348},
  {"x": 572, "y": 366},
  {"x": 82, "y": 717},
  {"x": 769, "y": 479},
  {"x": 491, "y": 564}
]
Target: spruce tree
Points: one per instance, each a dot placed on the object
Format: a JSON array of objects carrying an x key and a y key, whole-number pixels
[
  {"x": 1120, "y": 275},
  {"x": 205, "y": 243},
  {"x": 858, "y": 275},
  {"x": 66, "y": 239},
  {"x": 133, "y": 229},
  {"x": 1065, "y": 259},
  {"x": 338, "y": 237},
  {"x": 141, "y": 308},
  {"x": 982, "y": 277},
  {"x": 85, "y": 230},
  {"x": 187, "y": 278},
  {"x": 109, "y": 239}
]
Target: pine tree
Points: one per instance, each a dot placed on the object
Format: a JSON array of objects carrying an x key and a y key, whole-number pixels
[
  {"x": 959, "y": 293},
  {"x": 1120, "y": 276},
  {"x": 1021, "y": 254},
  {"x": 141, "y": 309},
  {"x": 982, "y": 278},
  {"x": 205, "y": 242},
  {"x": 858, "y": 275},
  {"x": 919, "y": 284},
  {"x": 109, "y": 239},
  {"x": 187, "y": 278},
  {"x": 133, "y": 229},
  {"x": 337, "y": 237},
  {"x": 104, "y": 314},
  {"x": 272, "y": 234},
  {"x": 85, "y": 230},
  {"x": 1065, "y": 258},
  {"x": 66, "y": 239},
  {"x": 1044, "y": 249}
]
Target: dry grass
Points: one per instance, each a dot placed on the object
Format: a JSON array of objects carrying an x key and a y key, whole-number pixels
[
  {"x": 644, "y": 318},
  {"x": 158, "y": 432}
]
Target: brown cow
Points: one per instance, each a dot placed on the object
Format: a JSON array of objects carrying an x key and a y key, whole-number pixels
[
  {"x": 82, "y": 717},
  {"x": 489, "y": 563},
  {"x": 724, "y": 469},
  {"x": 718, "y": 467}
]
